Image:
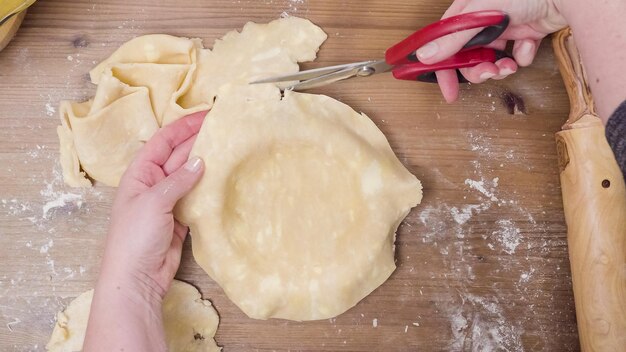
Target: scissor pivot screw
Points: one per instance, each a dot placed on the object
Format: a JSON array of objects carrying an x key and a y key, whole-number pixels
[{"x": 365, "y": 71}]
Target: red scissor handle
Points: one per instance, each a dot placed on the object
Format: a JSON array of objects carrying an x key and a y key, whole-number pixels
[
  {"x": 494, "y": 21},
  {"x": 468, "y": 58},
  {"x": 408, "y": 67}
]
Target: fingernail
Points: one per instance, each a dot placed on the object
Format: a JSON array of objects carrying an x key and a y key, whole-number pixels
[
  {"x": 194, "y": 164},
  {"x": 427, "y": 51},
  {"x": 526, "y": 48},
  {"x": 506, "y": 72},
  {"x": 486, "y": 75}
]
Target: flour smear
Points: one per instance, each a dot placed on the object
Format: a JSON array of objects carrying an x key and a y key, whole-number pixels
[
  {"x": 478, "y": 322},
  {"x": 42, "y": 208}
]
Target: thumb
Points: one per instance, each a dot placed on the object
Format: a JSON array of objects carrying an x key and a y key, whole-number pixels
[
  {"x": 446, "y": 46},
  {"x": 179, "y": 183}
]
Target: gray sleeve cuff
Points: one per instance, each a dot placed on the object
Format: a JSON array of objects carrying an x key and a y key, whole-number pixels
[{"x": 616, "y": 135}]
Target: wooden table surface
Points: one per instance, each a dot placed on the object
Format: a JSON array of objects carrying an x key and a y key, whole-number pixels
[{"x": 482, "y": 262}]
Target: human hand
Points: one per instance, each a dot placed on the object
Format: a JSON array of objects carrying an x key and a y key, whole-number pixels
[
  {"x": 144, "y": 240},
  {"x": 530, "y": 21},
  {"x": 144, "y": 243}
]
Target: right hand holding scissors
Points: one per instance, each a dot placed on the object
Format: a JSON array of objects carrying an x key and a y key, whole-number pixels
[{"x": 530, "y": 21}]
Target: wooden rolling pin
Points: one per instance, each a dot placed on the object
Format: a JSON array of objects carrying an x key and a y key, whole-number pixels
[{"x": 594, "y": 201}]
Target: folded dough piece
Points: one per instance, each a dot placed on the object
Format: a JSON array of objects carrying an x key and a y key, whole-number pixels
[
  {"x": 104, "y": 134},
  {"x": 295, "y": 216},
  {"x": 137, "y": 88},
  {"x": 190, "y": 323},
  {"x": 164, "y": 64},
  {"x": 163, "y": 83},
  {"x": 160, "y": 49},
  {"x": 179, "y": 78}
]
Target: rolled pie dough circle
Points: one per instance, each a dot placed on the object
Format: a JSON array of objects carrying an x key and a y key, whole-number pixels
[
  {"x": 189, "y": 322},
  {"x": 295, "y": 216}
]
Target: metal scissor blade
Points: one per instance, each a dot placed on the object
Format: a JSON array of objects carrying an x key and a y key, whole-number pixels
[
  {"x": 363, "y": 69},
  {"x": 314, "y": 73},
  {"x": 326, "y": 79}
]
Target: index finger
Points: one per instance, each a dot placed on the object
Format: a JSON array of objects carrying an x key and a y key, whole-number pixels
[
  {"x": 159, "y": 148},
  {"x": 449, "y": 84}
]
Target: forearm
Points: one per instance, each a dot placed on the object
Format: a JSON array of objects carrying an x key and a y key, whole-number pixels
[
  {"x": 600, "y": 35},
  {"x": 125, "y": 314}
]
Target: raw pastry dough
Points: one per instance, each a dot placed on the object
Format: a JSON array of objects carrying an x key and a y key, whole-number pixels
[
  {"x": 295, "y": 216},
  {"x": 259, "y": 51},
  {"x": 189, "y": 322},
  {"x": 153, "y": 80},
  {"x": 162, "y": 63},
  {"x": 105, "y": 134},
  {"x": 137, "y": 89}
]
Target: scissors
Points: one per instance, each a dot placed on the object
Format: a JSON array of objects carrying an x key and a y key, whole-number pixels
[{"x": 400, "y": 59}]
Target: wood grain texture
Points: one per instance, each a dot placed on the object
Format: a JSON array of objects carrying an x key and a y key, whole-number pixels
[
  {"x": 594, "y": 200},
  {"x": 475, "y": 269}
]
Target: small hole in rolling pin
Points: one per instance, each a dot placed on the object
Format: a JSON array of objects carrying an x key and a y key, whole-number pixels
[{"x": 606, "y": 183}]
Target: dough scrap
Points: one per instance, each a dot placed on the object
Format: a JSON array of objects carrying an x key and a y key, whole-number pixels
[
  {"x": 153, "y": 80},
  {"x": 295, "y": 216},
  {"x": 190, "y": 322},
  {"x": 259, "y": 51},
  {"x": 106, "y": 132},
  {"x": 164, "y": 64},
  {"x": 137, "y": 88}
]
